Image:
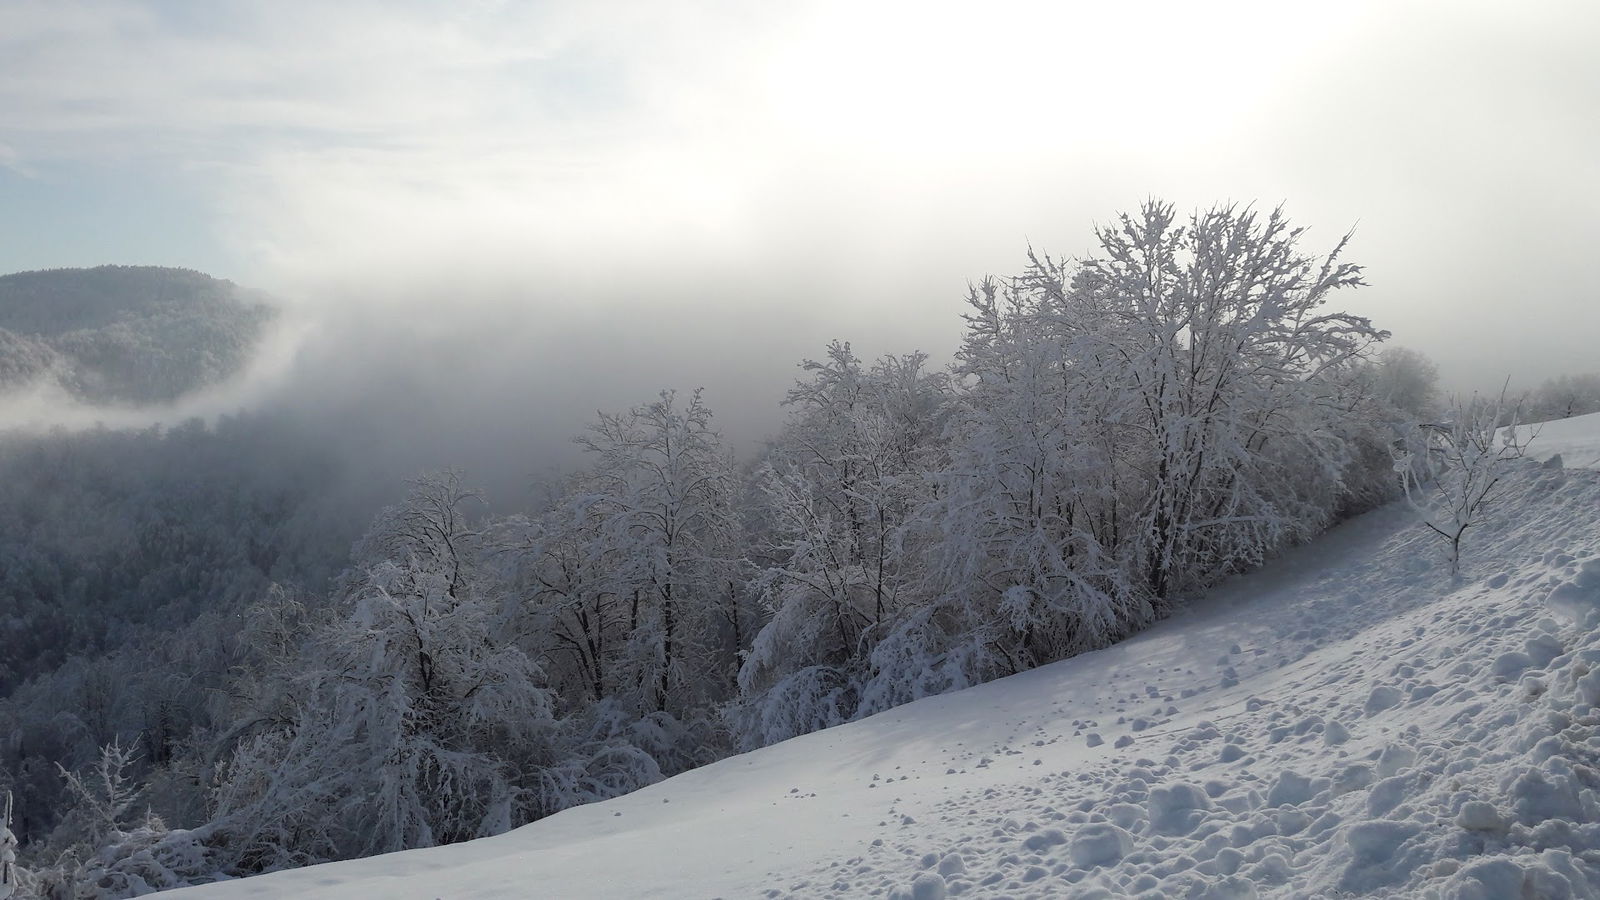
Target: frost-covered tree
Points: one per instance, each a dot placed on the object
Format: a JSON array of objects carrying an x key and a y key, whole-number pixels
[
  {"x": 1027, "y": 532},
  {"x": 655, "y": 512},
  {"x": 1564, "y": 397},
  {"x": 110, "y": 845},
  {"x": 1216, "y": 337},
  {"x": 1451, "y": 473},
  {"x": 836, "y": 490},
  {"x": 1131, "y": 427},
  {"x": 1408, "y": 381},
  {"x": 1384, "y": 398},
  {"x": 565, "y": 574},
  {"x": 103, "y": 797},
  {"x": 578, "y": 621},
  {"x": 417, "y": 720}
]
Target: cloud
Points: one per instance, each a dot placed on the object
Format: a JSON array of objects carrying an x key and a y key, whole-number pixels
[
  {"x": 672, "y": 181},
  {"x": 350, "y": 125},
  {"x": 46, "y": 404},
  {"x": 11, "y": 160}
]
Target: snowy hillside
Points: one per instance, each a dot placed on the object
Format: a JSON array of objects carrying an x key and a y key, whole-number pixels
[
  {"x": 1345, "y": 720},
  {"x": 1577, "y": 440}
]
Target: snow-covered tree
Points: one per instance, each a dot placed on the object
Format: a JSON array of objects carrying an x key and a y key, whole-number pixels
[
  {"x": 1408, "y": 381},
  {"x": 1452, "y": 472},
  {"x": 1215, "y": 336},
  {"x": 1131, "y": 427},
  {"x": 103, "y": 797},
  {"x": 836, "y": 490},
  {"x": 1029, "y": 528},
  {"x": 654, "y": 521},
  {"x": 565, "y": 576},
  {"x": 417, "y": 721},
  {"x": 1564, "y": 397},
  {"x": 110, "y": 844}
]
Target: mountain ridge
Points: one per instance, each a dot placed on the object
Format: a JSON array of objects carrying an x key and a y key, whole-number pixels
[{"x": 125, "y": 335}]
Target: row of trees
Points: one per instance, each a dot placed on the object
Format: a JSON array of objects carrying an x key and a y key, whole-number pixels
[
  {"x": 1116, "y": 434},
  {"x": 1564, "y": 397}
]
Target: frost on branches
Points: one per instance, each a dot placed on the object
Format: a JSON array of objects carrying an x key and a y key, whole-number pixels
[
  {"x": 1123, "y": 430},
  {"x": 1451, "y": 472},
  {"x": 659, "y": 503},
  {"x": 849, "y": 470},
  {"x": 415, "y": 719}
]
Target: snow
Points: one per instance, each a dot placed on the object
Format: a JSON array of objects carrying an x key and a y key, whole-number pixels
[
  {"x": 1576, "y": 440},
  {"x": 1348, "y": 718}
]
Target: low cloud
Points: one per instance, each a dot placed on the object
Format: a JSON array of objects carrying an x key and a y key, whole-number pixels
[{"x": 519, "y": 214}]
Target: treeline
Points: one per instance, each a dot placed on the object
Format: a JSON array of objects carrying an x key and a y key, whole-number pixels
[
  {"x": 1117, "y": 434},
  {"x": 1564, "y": 397}
]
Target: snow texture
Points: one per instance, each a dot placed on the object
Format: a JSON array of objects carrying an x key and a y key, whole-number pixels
[{"x": 1347, "y": 719}]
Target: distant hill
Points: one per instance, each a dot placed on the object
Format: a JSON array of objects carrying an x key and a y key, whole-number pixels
[{"x": 125, "y": 334}]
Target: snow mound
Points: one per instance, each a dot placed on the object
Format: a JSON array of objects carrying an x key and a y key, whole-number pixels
[{"x": 1348, "y": 719}]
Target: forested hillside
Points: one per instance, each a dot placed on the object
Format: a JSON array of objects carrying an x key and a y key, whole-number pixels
[
  {"x": 125, "y": 334},
  {"x": 128, "y": 556},
  {"x": 127, "y": 560}
]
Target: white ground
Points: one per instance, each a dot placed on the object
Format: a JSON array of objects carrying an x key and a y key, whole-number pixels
[
  {"x": 1577, "y": 440},
  {"x": 1346, "y": 720}
]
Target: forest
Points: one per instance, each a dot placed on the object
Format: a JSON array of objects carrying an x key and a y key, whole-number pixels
[
  {"x": 216, "y": 662},
  {"x": 125, "y": 334}
]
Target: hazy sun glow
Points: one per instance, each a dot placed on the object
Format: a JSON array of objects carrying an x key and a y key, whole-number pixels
[{"x": 937, "y": 81}]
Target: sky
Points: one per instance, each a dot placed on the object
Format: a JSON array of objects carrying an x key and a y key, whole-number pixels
[{"x": 590, "y": 201}]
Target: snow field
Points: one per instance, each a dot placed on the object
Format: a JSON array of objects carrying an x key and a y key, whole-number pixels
[
  {"x": 1348, "y": 719},
  {"x": 1576, "y": 440}
]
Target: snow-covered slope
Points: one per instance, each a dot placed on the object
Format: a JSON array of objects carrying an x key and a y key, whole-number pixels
[
  {"x": 1348, "y": 719},
  {"x": 1577, "y": 440}
]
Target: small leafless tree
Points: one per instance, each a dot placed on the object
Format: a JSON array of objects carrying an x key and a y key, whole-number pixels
[{"x": 1452, "y": 471}]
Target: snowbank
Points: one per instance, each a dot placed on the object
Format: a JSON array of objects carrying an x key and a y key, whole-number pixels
[{"x": 1347, "y": 719}]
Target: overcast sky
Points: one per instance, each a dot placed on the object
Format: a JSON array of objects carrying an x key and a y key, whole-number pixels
[{"x": 702, "y": 193}]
